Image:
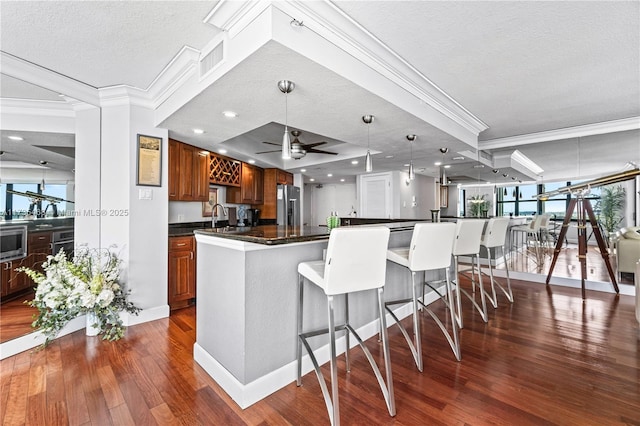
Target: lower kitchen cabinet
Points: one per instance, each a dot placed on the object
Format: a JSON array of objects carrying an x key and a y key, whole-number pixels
[
  {"x": 16, "y": 283},
  {"x": 182, "y": 271}
]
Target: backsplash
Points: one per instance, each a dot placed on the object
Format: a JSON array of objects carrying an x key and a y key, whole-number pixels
[{"x": 191, "y": 211}]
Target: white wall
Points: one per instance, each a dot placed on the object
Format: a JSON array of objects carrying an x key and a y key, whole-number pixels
[
  {"x": 138, "y": 227},
  {"x": 340, "y": 198},
  {"x": 415, "y": 199}
]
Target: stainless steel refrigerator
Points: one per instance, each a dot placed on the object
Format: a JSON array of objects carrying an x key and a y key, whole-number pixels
[{"x": 288, "y": 202}]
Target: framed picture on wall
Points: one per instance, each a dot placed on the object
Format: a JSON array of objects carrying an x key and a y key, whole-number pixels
[
  {"x": 207, "y": 206},
  {"x": 149, "y": 171}
]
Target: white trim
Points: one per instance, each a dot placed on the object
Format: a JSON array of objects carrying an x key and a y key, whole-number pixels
[
  {"x": 35, "y": 74},
  {"x": 146, "y": 315},
  {"x": 37, "y": 107},
  {"x": 632, "y": 123},
  {"x": 602, "y": 286}
]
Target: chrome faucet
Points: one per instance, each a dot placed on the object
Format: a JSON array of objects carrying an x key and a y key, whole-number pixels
[{"x": 214, "y": 215}]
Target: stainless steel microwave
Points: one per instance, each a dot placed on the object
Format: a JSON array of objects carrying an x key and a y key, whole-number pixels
[{"x": 13, "y": 242}]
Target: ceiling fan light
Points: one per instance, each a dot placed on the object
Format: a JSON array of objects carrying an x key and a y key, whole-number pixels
[
  {"x": 412, "y": 173},
  {"x": 368, "y": 164},
  {"x": 286, "y": 145}
]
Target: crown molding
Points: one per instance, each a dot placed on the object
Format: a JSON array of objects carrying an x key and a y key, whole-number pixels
[
  {"x": 332, "y": 24},
  {"x": 632, "y": 123},
  {"x": 124, "y": 96},
  {"x": 36, "y": 107},
  {"x": 181, "y": 68},
  {"x": 233, "y": 16},
  {"x": 35, "y": 74}
]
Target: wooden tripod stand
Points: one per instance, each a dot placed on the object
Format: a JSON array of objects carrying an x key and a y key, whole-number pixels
[{"x": 584, "y": 214}]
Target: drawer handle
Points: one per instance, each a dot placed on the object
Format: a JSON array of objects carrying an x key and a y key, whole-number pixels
[
  {"x": 181, "y": 244},
  {"x": 41, "y": 238}
]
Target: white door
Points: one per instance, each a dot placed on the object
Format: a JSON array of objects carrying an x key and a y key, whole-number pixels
[{"x": 375, "y": 196}]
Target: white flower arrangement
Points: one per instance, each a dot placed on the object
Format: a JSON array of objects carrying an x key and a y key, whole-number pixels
[{"x": 89, "y": 283}]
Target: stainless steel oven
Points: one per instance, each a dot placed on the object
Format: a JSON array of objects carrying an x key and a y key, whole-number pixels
[
  {"x": 13, "y": 242},
  {"x": 63, "y": 239}
]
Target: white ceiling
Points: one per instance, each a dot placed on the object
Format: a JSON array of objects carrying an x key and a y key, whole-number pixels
[{"x": 520, "y": 67}]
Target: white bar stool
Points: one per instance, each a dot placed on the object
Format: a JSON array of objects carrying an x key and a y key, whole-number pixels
[
  {"x": 355, "y": 261},
  {"x": 430, "y": 249},
  {"x": 467, "y": 243},
  {"x": 494, "y": 236}
]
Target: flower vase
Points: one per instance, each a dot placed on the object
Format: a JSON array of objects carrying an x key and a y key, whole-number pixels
[{"x": 93, "y": 324}]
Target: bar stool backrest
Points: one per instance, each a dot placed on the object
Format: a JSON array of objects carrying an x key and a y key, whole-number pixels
[
  {"x": 544, "y": 220},
  {"x": 468, "y": 236},
  {"x": 496, "y": 232},
  {"x": 356, "y": 259},
  {"x": 534, "y": 225},
  {"x": 431, "y": 246}
]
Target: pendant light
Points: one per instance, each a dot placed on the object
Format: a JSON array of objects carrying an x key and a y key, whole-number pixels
[
  {"x": 44, "y": 171},
  {"x": 443, "y": 174},
  {"x": 412, "y": 173},
  {"x": 368, "y": 164},
  {"x": 286, "y": 87}
]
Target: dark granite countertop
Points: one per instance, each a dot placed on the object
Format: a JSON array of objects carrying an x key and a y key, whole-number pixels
[
  {"x": 274, "y": 234},
  {"x": 41, "y": 225},
  {"x": 269, "y": 234}
]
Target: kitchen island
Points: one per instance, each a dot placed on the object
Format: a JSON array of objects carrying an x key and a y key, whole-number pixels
[{"x": 246, "y": 304}]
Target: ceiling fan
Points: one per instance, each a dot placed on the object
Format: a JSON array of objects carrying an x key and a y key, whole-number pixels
[{"x": 299, "y": 149}]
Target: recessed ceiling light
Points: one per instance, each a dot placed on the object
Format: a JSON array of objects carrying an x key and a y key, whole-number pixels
[
  {"x": 222, "y": 151},
  {"x": 388, "y": 156},
  {"x": 437, "y": 163},
  {"x": 198, "y": 131},
  {"x": 230, "y": 114},
  {"x": 312, "y": 180},
  {"x": 16, "y": 138},
  {"x": 303, "y": 170},
  {"x": 329, "y": 175},
  {"x": 251, "y": 161},
  {"x": 354, "y": 162},
  {"x": 448, "y": 166},
  {"x": 458, "y": 158},
  {"x": 341, "y": 180},
  {"x": 406, "y": 165}
]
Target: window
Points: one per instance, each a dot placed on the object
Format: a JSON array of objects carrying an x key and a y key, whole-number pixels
[{"x": 17, "y": 206}]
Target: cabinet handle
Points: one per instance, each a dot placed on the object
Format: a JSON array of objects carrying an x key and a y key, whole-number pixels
[
  {"x": 191, "y": 255},
  {"x": 181, "y": 244},
  {"x": 41, "y": 238}
]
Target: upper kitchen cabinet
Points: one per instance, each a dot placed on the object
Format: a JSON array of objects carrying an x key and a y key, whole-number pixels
[
  {"x": 272, "y": 178},
  {"x": 251, "y": 186},
  {"x": 224, "y": 171},
  {"x": 188, "y": 172}
]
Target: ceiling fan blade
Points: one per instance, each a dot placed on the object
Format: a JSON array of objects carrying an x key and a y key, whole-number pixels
[
  {"x": 267, "y": 152},
  {"x": 319, "y": 151},
  {"x": 311, "y": 145},
  {"x": 271, "y": 143}
]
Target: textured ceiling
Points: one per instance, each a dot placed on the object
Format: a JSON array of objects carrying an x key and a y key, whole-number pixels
[{"x": 520, "y": 67}]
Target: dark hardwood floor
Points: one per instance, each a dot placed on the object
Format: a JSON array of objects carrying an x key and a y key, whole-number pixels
[{"x": 549, "y": 358}]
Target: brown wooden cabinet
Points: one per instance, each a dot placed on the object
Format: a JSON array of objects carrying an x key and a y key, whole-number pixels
[
  {"x": 188, "y": 172},
  {"x": 15, "y": 283},
  {"x": 251, "y": 186},
  {"x": 272, "y": 177},
  {"x": 182, "y": 271}
]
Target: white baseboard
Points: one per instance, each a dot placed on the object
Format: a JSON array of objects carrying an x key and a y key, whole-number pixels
[
  {"x": 607, "y": 287},
  {"x": 32, "y": 340},
  {"x": 247, "y": 394}
]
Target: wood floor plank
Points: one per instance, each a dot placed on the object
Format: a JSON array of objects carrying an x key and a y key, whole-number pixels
[{"x": 550, "y": 358}]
